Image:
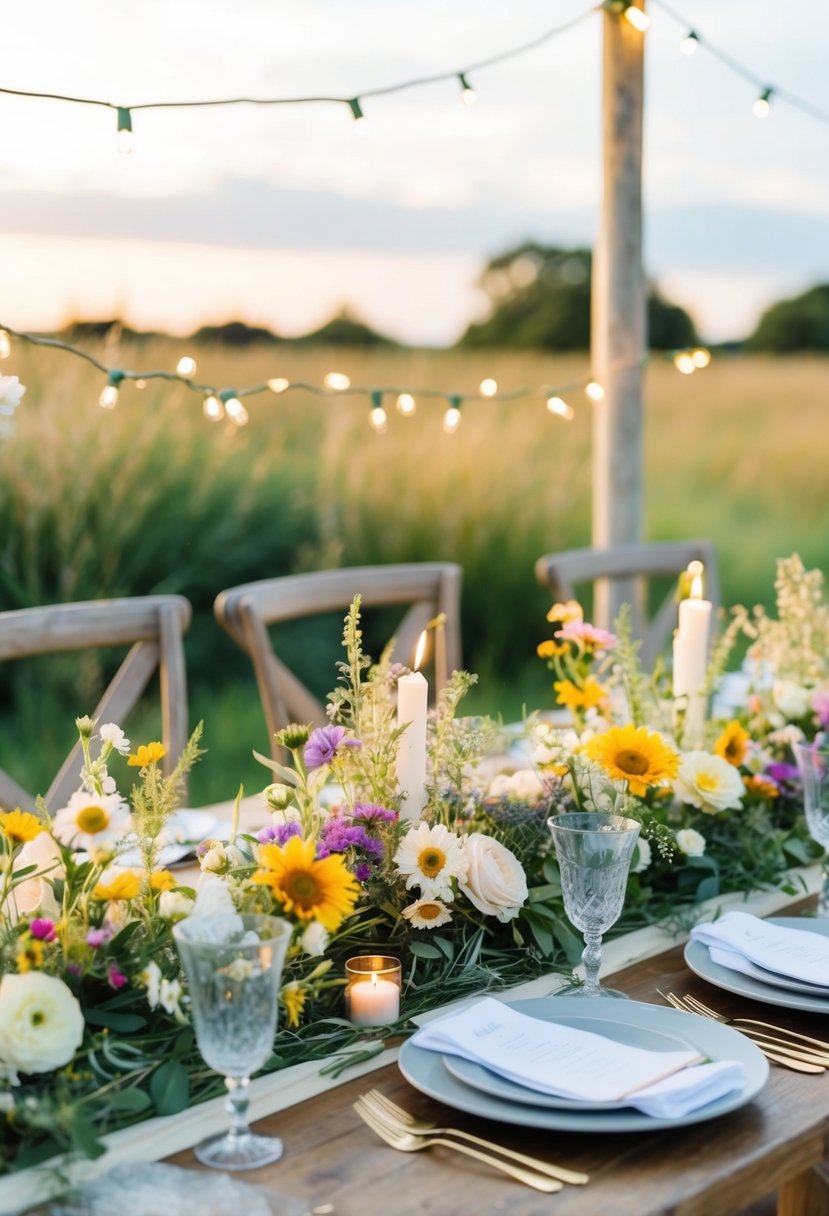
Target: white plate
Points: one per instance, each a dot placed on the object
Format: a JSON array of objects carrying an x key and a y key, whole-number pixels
[
  {"x": 701, "y": 963},
  {"x": 184, "y": 830},
  {"x": 426, "y": 1071},
  {"x": 620, "y": 1032}
]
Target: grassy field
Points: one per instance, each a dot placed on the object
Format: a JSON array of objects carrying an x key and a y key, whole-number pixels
[{"x": 151, "y": 497}]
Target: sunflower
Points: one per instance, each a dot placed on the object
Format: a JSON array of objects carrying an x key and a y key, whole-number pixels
[
  {"x": 732, "y": 744},
  {"x": 634, "y": 754},
  {"x": 19, "y": 826},
  {"x": 589, "y": 696},
  {"x": 429, "y": 858},
  {"x": 311, "y": 888}
]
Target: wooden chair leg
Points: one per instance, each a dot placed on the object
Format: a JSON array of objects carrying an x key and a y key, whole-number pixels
[{"x": 806, "y": 1194}]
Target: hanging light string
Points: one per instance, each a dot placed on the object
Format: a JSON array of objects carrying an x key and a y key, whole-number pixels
[
  {"x": 353, "y": 102},
  {"x": 766, "y": 90},
  {"x": 218, "y": 403}
]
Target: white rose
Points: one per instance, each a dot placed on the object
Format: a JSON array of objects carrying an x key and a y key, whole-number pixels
[
  {"x": 691, "y": 843},
  {"x": 791, "y": 699},
  {"x": 520, "y": 786},
  {"x": 41, "y": 1024},
  {"x": 35, "y": 894},
  {"x": 315, "y": 939},
  {"x": 495, "y": 882},
  {"x": 643, "y": 856},
  {"x": 708, "y": 782},
  {"x": 174, "y": 905}
]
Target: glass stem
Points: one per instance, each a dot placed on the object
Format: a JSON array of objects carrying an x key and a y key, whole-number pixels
[
  {"x": 237, "y": 1105},
  {"x": 591, "y": 958}
]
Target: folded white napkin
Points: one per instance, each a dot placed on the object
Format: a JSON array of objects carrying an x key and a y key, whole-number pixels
[
  {"x": 571, "y": 1063},
  {"x": 793, "y": 953}
]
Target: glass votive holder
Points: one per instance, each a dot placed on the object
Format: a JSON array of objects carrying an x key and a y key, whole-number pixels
[{"x": 372, "y": 992}]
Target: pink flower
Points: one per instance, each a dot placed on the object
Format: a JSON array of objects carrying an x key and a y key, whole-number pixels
[
  {"x": 587, "y": 635},
  {"x": 98, "y": 937},
  {"x": 115, "y": 977},
  {"x": 42, "y": 929}
]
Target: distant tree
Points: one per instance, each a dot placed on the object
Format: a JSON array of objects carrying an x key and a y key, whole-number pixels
[
  {"x": 345, "y": 329},
  {"x": 234, "y": 333},
  {"x": 794, "y": 325},
  {"x": 540, "y": 300}
]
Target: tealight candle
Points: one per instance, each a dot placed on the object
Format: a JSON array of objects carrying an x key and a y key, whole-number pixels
[
  {"x": 412, "y": 708},
  {"x": 372, "y": 995}
]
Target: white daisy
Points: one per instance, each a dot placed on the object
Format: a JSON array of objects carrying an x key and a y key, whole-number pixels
[
  {"x": 112, "y": 734},
  {"x": 92, "y": 821},
  {"x": 429, "y": 858},
  {"x": 427, "y": 914}
]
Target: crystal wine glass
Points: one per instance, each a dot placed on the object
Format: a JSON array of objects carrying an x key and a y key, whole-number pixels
[
  {"x": 813, "y": 765},
  {"x": 594, "y": 851},
  {"x": 233, "y": 966}
]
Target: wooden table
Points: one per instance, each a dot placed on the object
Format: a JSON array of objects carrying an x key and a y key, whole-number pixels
[{"x": 708, "y": 1169}]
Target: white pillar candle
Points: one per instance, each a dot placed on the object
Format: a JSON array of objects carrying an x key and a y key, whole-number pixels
[
  {"x": 374, "y": 1002},
  {"x": 691, "y": 642},
  {"x": 412, "y": 708}
]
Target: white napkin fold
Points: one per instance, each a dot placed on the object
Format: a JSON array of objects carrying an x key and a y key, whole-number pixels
[
  {"x": 733, "y": 961},
  {"x": 571, "y": 1063},
  {"x": 793, "y": 953}
]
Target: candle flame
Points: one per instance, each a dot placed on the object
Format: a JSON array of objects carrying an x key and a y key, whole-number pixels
[
  {"x": 421, "y": 650},
  {"x": 374, "y": 979},
  {"x": 696, "y": 588}
]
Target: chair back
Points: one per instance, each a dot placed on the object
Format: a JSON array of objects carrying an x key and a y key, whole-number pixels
[
  {"x": 246, "y": 612},
  {"x": 638, "y": 565},
  {"x": 153, "y": 627}
]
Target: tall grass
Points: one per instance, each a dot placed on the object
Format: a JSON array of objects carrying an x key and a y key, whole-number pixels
[{"x": 151, "y": 497}]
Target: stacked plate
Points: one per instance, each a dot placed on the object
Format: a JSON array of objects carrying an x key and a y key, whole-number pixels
[
  {"x": 469, "y": 1087},
  {"x": 770, "y": 987}
]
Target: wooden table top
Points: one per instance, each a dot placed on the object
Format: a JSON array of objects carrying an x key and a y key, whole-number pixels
[{"x": 707, "y": 1169}]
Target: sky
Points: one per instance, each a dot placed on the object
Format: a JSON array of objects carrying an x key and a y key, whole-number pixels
[{"x": 281, "y": 216}]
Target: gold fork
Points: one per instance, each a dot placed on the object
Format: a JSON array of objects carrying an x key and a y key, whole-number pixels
[
  {"x": 400, "y": 1119},
  {"x": 779, "y": 1051},
  {"x": 405, "y": 1142}
]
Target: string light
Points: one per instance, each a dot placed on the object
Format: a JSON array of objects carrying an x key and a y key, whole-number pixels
[
  {"x": 111, "y": 390},
  {"x": 141, "y": 384},
  {"x": 684, "y": 362},
  {"x": 559, "y": 407},
  {"x": 378, "y": 419},
  {"x": 488, "y": 388},
  {"x": 405, "y": 404},
  {"x": 5, "y": 344},
  {"x": 452, "y": 417},
  {"x": 124, "y": 131},
  {"x": 337, "y": 381},
  {"x": 213, "y": 408},
  {"x": 762, "y": 105},
  {"x": 234, "y": 409},
  {"x": 689, "y": 44},
  {"x": 594, "y": 390},
  {"x": 468, "y": 94},
  {"x": 636, "y": 17},
  {"x": 279, "y": 384},
  {"x": 186, "y": 366},
  {"x": 701, "y": 357}
]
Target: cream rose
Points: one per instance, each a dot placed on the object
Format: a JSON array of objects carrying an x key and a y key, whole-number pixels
[
  {"x": 520, "y": 786},
  {"x": 495, "y": 882},
  {"x": 34, "y": 894},
  {"x": 792, "y": 699},
  {"x": 41, "y": 1024},
  {"x": 708, "y": 782},
  {"x": 690, "y": 842}
]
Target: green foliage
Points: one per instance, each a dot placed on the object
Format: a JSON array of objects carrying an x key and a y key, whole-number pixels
[
  {"x": 799, "y": 324},
  {"x": 540, "y": 299}
]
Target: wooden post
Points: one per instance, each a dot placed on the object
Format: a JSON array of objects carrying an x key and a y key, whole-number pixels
[{"x": 618, "y": 308}]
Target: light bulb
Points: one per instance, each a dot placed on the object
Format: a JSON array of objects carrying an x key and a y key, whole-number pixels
[
  {"x": 559, "y": 407},
  {"x": 213, "y": 408},
  {"x": 406, "y": 404},
  {"x": 5, "y": 344},
  {"x": 637, "y": 18},
  {"x": 488, "y": 388},
  {"x": 701, "y": 357},
  {"x": 141, "y": 384},
  {"x": 689, "y": 43},
  {"x": 109, "y": 397},
  {"x": 451, "y": 419},
  {"x": 235, "y": 411},
  {"x": 468, "y": 94},
  {"x": 337, "y": 381},
  {"x": 762, "y": 105},
  {"x": 279, "y": 384},
  {"x": 124, "y": 131},
  {"x": 378, "y": 420},
  {"x": 594, "y": 390},
  {"x": 186, "y": 366},
  {"x": 683, "y": 362}
]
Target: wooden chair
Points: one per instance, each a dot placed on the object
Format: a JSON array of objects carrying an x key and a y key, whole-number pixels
[
  {"x": 247, "y": 611},
  {"x": 637, "y": 564},
  {"x": 153, "y": 626}
]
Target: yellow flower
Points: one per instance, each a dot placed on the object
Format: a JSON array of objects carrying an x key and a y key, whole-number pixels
[
  {"x": 163, "y": 880},
  {"x": 589, "y": 696},
  {"x": 761, "y": 786},
  {"x": 732, "y": 744},
  {"x": 562, "y": 613},
  {"x": 551, "y": 649},
  {"x": 293, "y": 998},
  {"x": 147, "y": 753},
  {"x": 120, "y": 887},
  {"x": 634, "y": 754},
  {"x": 322, "y": 889},
  {"x": 30, "y": 955},
  {"x": 19, "y": 826}
]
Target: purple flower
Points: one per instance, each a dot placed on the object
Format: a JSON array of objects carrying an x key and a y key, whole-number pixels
[
  {"x": 98, "y": 937},
  {"x": 115, "y": 977},
  {"x": 74, "y": 969},
  {"x": 362, "y": 871},
  {"x": 373, "y": 812},
  {"x": 783, "y": 774},
  {"x": 278, "y": 833},
  {"x": 324, "y": 744},
  {"x": 42, "y": 929},
  {"x": 338, "y": 836}
]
